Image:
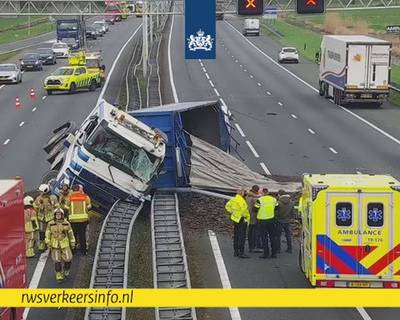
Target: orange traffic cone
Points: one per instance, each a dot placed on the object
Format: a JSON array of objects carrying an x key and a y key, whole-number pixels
[
  {"x": 17, "y": 103},
  {"x": 32, "y": 94}
]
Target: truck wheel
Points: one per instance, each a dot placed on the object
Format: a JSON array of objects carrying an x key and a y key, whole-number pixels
[
  {"x": 49, "y": 92},
  {"x": 72, "y": 88},
  {"x": 326, "y": 90},
  {"x": 337, "y": 98},
  {"x": 93, "y": 85},
  {"x": 321, "y": 89}
]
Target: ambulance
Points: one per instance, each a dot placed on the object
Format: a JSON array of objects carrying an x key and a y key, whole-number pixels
[{"x": 350, "y": 230}]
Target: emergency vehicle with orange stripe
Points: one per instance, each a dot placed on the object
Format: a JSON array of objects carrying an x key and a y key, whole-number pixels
[{"x": 350, "y": 230}]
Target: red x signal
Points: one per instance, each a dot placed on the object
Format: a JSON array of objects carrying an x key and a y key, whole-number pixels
[
  {"x": 311, "y": 3},
  {"x": 251, "y": 4}
]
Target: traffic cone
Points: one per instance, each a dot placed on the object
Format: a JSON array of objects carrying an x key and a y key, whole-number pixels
[
  {"x": 32, "y": 94},
  {"x": 17, "y": 103}
]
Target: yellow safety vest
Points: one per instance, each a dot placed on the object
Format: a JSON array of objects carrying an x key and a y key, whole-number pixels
[
  {"x": 59, "y": 235},
  {"x": 79, "y": 203},
  {"x": 237, "y": 207},
  {"x": 266, "y": 207}
]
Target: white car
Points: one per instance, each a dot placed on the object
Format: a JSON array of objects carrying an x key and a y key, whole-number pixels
[
  {"x": 288, "y": 54},
  {"x": 10, "y": 73},
  {"x": 60, "y": 49},
  {"x": 103, "y": 24}
]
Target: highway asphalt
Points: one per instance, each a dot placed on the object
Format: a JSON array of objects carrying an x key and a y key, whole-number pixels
[
  {"x": 284, "y": 127},
  {"x": 24, "y": 131}
]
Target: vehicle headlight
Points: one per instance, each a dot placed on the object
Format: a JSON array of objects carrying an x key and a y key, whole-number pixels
[
  {"x": 36, "y": 62},
  {"x": 22, "y": 62}
]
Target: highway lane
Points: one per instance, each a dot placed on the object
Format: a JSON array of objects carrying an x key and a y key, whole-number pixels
[
  {"x": 27, "y": 43},
  {"x": 292, "y": 130}
]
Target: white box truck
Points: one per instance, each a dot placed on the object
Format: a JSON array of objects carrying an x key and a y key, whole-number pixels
[
  {"x": 354, "y": 69},
  {"x": 251, "y": 26}
]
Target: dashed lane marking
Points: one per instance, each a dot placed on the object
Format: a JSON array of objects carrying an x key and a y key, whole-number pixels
[
  {"x": 6, "y": 142},
  {"x": 22, "y": 123},
  {"x": 34, "y": 109},
  {"x": 333, "y": 150},
  {"x": 293, "y": 116},
  {"x": 216, "y": 92},
  {"x": 264, "y": 167},
  {"x": 211, "y": 83},
  {"x": 268, "y": 93},
  {"x": 223, "y": 273},
  {"x": 252, "y": 149},
  {"x": 241, "y": 66},
  {"x": 2, "y": 86},
  {"x": 245, "y": 70},
  {"x": 311, "y": 131},
  {"x": 208, "y": 77},
  {"x": 204, "y": 69},
  {"x": 259, "y": 84},
  {"x": 251, "y": 76},
  {"x": 44, "y": 97},
  {"x": 239, "y": 129},
  {"x": 280, "y": 103}
]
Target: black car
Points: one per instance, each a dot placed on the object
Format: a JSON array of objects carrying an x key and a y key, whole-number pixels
[
  {"x": 47, "y": 55},
  {"x": 91, "y": 33},
  {"x": 31, "y": 61}
]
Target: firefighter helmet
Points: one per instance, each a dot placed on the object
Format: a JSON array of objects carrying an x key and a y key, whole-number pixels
[
  {"x": 44, "y": 188},
  {"x": 28, "y": 201},
  {"x": 58, "y": 210}
]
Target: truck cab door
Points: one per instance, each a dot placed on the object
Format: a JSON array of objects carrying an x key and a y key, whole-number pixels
[{"x": 376, "y": 217}]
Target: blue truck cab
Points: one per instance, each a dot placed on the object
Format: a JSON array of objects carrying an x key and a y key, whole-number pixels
[{"x": 72, "y": 32}]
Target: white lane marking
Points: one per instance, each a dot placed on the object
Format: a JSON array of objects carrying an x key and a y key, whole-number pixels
[
  {"x": 22, "y": 123},
  {"x": 101, "y": 95},
  {"x": 280, "y": 103},
  {"x": 239, "y": 129},
  {"x": 34, "y": 109},
  {"x": 223, "y": 102},
  {"x": 233, "y": 56},
  {"x": 208, "y": 77},
  {"x": 37, "y": 274},
  {"x": 333, "y": 150},
  {"x": 2, "y": 86},
  {"x": 245, "y": 70},
  {"x": 211, "y": 83},
  {"x": 259, "y": 84},
  {"x": 315, "y": 89},
  {"x": 171, "y": 76},
  {"x": 201, "y": 63},
  {"x": 6, "y": 142},
  {"x": 236, "y": 61},
  {"x": 363, "y": 313},
  {"x": 223, "y": 274},
  {"x": 204, "y": 69},
  {"x": 264, "y": 167},
  {"x": 216, "y": 92},
  {"x": 268, "y": 93},
  {"x": 252, "y": 149},
  {"x": 293, "y": 116},
  {"x": 251, "y": 76},
  {"x": 240, "y": 66},
  {"x": 44, "y": 97},
  {"x": 311, "y": 131}
]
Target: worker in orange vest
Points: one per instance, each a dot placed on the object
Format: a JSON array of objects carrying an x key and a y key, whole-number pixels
[{"x": 79, "y": 204}]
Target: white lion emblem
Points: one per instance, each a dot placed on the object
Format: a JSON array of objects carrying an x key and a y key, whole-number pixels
[{"x": 200, "y": 42}]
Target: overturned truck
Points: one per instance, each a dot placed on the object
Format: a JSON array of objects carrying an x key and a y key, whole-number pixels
[{"x": 118, "y": 155}]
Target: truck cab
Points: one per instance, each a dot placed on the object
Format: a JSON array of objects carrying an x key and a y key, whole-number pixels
[
  {"x": 72, "y": 32},
  {"x": 113, "y": 155},
  {"x": 350, "y": 235}
]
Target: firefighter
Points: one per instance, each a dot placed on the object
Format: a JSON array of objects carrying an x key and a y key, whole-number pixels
[
  {"x": 44, "y": 204},
  {"x": 31, "y": 226},
  {"x": 63, "y": 198},
  {"x": 240, "y": 216},
  {"x": 266, "y": 206},
  {"x": 60, "y": 239},
  {"x": 79, "y": 204}
]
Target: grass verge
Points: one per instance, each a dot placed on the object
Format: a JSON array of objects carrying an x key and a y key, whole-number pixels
[
  {"x": 16, "y": 32},
  {"x": 140, "y": 273},
  {"x": 6, "y": 57}
]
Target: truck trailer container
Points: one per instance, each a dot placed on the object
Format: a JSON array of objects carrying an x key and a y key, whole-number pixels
[{"x": 354, "y": 69}]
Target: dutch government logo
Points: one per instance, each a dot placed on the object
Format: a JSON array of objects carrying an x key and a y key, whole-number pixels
[{"x": 200, "y": 42}]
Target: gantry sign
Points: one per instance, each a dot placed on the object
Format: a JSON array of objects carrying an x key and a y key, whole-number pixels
[{"x": 250, "y": 7}]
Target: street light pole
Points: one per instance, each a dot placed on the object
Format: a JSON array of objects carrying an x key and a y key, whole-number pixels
[{"x": 145, "y": 40}]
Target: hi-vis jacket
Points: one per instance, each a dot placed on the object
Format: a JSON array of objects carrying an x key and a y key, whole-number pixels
[
  {"x": 79, "y": 205},
  {"x": 59, "y": 234},
  {"x": 45, "y": 205},
  {"x": 266, "y": 207},
  {"x": 237, "y": 207},
  {"x": 31, "y": 220}
]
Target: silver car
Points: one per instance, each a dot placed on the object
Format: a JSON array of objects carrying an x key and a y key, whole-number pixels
[
  {"x": 103, "y": 24},
  {"x": 10, "y": 73}
]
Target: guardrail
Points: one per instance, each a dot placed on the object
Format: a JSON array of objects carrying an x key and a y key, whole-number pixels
[{"x": 394, "y": 88}]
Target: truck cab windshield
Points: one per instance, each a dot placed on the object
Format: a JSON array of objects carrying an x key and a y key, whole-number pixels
[
  {"x": 68, "y": 26},
  {"x": 112, "y": 148}
]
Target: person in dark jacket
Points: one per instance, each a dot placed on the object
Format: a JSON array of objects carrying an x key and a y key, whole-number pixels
[
  {"x": 284, "y": 214},
  {"x": 251, "y": 199}
]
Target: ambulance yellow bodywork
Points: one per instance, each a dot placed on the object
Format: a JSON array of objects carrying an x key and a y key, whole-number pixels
[{"x": 350, "y": 230}]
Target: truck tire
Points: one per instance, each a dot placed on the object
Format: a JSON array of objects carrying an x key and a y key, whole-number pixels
[
  {"x": 326, "y": 90},
  {"x": 337, "y": 98},
  {"x": 321, "y": 89},
  {"x": 60, "y": 133},
  {"x": 93, "y": 85},
  {"x": 49, "y": 92},
  {"x": 72, "y": 88},
  {"x": 49, "y": 177}
]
